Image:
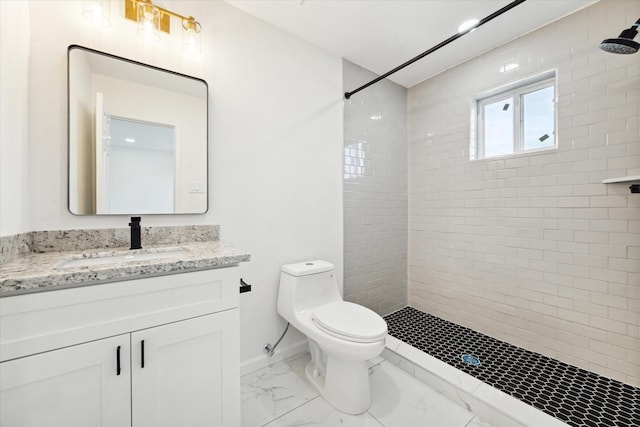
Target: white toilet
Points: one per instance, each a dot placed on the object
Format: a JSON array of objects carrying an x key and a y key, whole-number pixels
[{"x": 342, "y": 335}]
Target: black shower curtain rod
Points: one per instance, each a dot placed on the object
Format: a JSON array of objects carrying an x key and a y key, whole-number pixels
[{"x": 483, "y": 21}]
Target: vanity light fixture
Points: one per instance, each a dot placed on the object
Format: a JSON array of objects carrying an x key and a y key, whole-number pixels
[
  {"x": 155, "y": 19},
  {"x": 97, "y": 11}
]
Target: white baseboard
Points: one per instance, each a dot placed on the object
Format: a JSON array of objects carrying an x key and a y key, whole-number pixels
[{"x": 281, "y": 353}]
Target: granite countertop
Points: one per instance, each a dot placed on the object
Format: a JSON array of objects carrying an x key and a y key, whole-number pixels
[{"x": 37, "y": 272}]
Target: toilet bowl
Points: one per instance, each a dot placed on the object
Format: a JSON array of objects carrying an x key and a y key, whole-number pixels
[{"x": 342, "y": 335}]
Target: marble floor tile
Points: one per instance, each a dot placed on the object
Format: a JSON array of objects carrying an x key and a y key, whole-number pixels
[
  {"x": 319, "y": 413},
  {"x": 275, "y": 390},
  {"x": 477, "y": 422},
  {"x": 281, "y": 396},
  {"x": 399, "y": 361},
  {"x": 400, "y": 400}
]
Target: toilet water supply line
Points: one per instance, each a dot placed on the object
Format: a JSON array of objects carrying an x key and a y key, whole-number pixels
[{"x": 270, "y": 350}]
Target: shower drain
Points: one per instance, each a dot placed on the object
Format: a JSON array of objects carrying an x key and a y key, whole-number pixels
[{"x": 470, "y": 359}]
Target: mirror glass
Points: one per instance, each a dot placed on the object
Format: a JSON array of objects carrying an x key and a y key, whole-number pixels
[{"x": 137, "y": 137}]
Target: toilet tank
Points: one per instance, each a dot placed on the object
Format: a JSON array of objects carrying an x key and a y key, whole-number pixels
[{"x": 306, "y": 285}]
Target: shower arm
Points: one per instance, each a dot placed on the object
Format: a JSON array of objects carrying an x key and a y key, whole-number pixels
[{"x": 483, "y": 21}]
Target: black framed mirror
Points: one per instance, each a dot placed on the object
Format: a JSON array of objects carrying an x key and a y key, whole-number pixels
[{"x": 137, "y": 137}]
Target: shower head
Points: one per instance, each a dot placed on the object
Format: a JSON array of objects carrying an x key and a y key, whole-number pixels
[
  {"x": 620, "y": 45},
  {"x": 624, "y": 43}
]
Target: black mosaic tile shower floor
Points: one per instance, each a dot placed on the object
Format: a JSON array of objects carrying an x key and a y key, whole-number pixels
[{"x": 579, "y": 398}]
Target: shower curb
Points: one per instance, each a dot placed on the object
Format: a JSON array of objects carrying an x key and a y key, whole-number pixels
[{"x": 487, "y": 402}]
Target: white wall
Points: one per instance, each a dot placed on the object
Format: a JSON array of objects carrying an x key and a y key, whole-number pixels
[
  {"x": 375, "y": 192},
  {"x": 275, "y": 140},
  {"x": 534, "y": 249},
  {"x": 276, "y": 119},
  {"x": 14, "y": 67}
]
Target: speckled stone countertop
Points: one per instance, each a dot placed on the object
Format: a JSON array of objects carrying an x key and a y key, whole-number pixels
[{"x": 35, "y": 272}]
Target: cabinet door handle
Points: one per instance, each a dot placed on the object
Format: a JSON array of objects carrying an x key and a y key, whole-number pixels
[
  {"x": 142, "y": 354},
  {"x": 118, "y": 361}
]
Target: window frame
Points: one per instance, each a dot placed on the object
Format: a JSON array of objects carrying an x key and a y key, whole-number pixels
[{"x": 516, "y": 91}]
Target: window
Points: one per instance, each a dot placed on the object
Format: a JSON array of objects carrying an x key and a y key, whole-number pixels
[{"x": 518, "y": 119}]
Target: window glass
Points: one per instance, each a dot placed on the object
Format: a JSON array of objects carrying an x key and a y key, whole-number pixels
[
  {"x": 498, "y": 127},
  {"x": 517, "y": 118},
  {"x": 538, "y": 119}
]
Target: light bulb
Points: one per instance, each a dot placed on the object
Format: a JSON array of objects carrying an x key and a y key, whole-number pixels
[
  {"x": 191, "y": 36},
  {"x": 97, "y": 12},
  {"x": 149, "y": 21}
]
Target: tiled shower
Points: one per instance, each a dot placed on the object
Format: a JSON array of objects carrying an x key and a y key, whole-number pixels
[
  {"x": 532, "y": 249},
  {"x": 375, "y": 193}
]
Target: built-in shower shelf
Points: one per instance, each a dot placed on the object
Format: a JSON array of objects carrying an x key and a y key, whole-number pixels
[{"x": 630, "y": 179}]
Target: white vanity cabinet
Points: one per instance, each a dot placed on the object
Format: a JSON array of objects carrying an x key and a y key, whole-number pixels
[
  {"x": 183, "y": 381},
  {"x": 160, "y": 351},
  {"x": 72, "y": 386}
]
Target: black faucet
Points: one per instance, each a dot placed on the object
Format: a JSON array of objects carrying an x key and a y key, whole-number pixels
[{"x": 136, "y": 241}]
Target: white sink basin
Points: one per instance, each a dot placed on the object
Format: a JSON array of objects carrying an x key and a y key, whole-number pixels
[{"x": 122, "y": 258}]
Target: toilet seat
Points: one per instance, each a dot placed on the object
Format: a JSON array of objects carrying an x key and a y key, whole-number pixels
[{"x": 349, "y": 321}]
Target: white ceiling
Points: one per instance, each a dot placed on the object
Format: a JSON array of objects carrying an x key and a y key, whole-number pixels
[{"x": 381, "y": 34}]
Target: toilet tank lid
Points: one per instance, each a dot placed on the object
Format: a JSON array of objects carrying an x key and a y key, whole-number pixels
[{"x": 308, "y": 267}]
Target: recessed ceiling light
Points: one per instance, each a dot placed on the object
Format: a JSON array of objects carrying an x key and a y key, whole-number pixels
[
  {"x": 130, "y": 140},
  {"x": 468, "y": 24}
]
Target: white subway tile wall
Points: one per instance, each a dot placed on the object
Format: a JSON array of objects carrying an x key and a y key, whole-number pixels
[
  {"x": 533, "y": 249},
  {"x": 375, "y": 193}
]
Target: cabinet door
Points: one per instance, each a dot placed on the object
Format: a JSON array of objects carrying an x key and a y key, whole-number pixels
[
  {"x": 77, "y": 386},
  {"x": 191, "y": 373}
]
